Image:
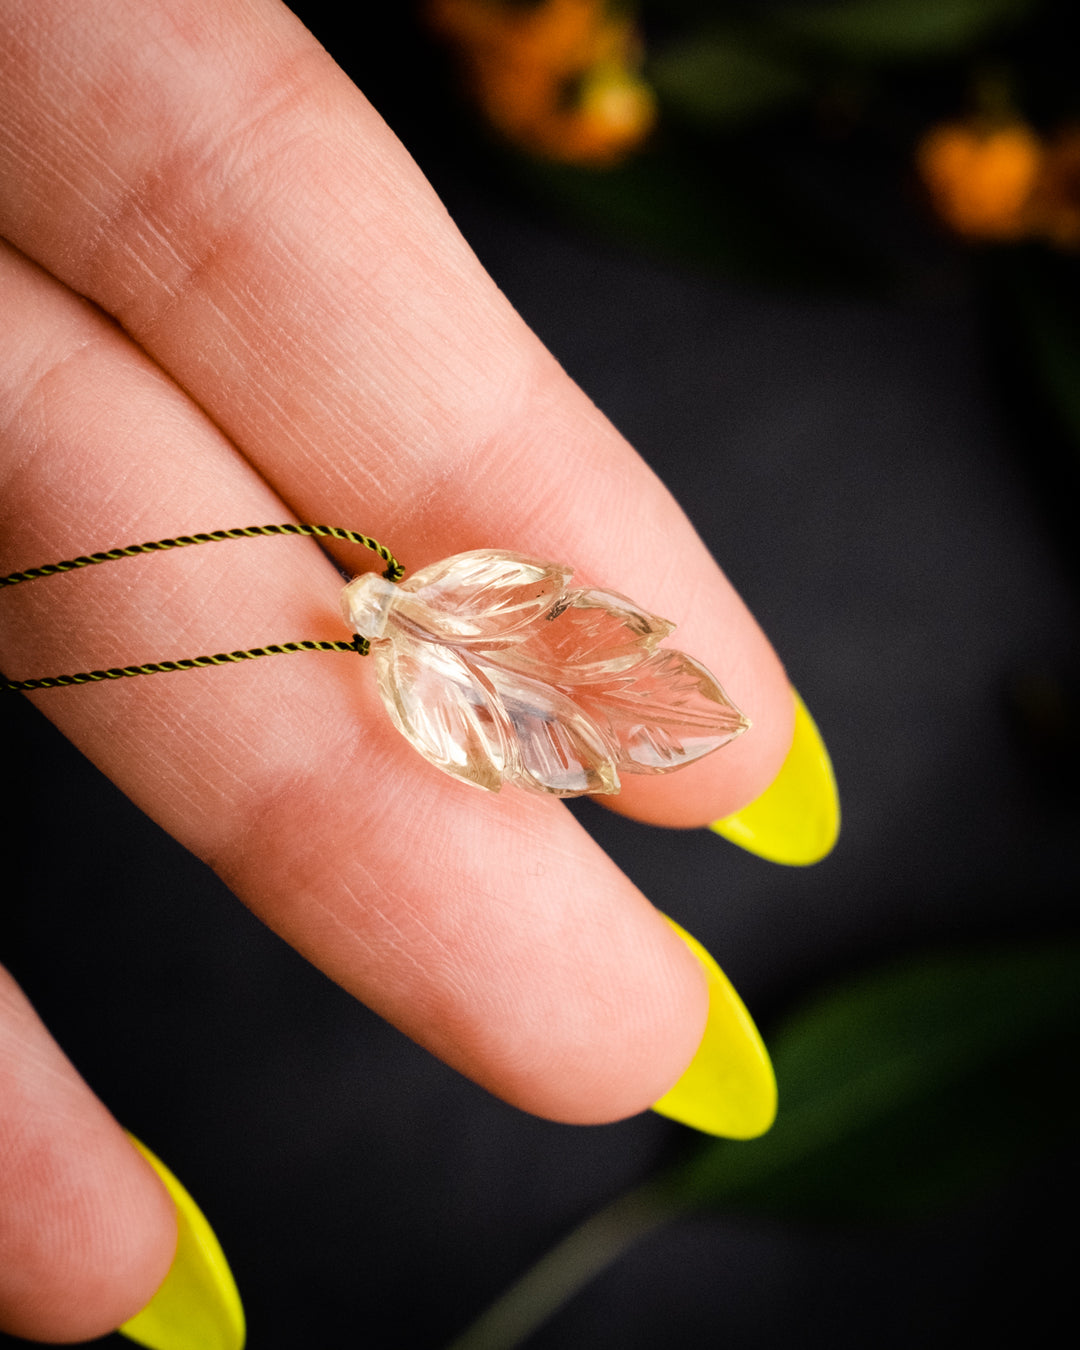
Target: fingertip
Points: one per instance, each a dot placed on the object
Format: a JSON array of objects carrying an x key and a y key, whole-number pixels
[
  {"x": 639, "y": 1063},
  {"x": 87, "y": 1232},
  {"x": 729, "y": 1087},
  {"x": 796, "y": 819},
  {"x": 718, "y": 785},
  {"x": 631, "y": 1014},
  {"x": 87, "y": 1239},
  {"x": 197, "y": 1306}
]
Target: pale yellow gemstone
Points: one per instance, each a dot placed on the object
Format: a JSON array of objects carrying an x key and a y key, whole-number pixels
[{"x": 497, "y": 672}]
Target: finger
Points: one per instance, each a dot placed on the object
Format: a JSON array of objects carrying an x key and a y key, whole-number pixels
[
  {"x": 489, "y": 928},
  {"x": 87, "y": 1232},
  {"x": 285, "y": 260}
]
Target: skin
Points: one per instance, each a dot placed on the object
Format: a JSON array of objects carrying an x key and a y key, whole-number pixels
[{"x": 230, "y": 298}]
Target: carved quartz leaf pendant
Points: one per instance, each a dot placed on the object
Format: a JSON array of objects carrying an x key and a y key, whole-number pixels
[{"x": 497, "y": 672}]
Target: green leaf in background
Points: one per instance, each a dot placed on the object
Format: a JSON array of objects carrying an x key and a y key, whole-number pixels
[
  {"x": 721, "y": 81},
  {"x": 893, "y": 30},
  {"x": 900, "y": 1092},
  {"x": 719, "y": 210},
  {"x": 908, "y": 1090},
  {"x": 1044, "y": 295},
  {"x": 1031, "y": 310}
]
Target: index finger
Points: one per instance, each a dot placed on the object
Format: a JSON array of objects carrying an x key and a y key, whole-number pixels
[{"x": 285, "y": 261}]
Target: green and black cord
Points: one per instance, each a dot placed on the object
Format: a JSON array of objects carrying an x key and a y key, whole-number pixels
[{"x": 394, "y": 572}]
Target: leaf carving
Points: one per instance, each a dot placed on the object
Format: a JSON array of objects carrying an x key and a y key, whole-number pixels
[
  {"x": 445, "y": 709},
  {"x": 588, "y": 636},
  {"x": 666, "y": 712},
  {"x": 496, "y": 672},
  {"x": 561, "y": 749},
  {"x": 481, "y": 596}
]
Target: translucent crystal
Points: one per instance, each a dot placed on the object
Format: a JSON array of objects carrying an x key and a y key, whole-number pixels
[{"x": 497, "y": 672}]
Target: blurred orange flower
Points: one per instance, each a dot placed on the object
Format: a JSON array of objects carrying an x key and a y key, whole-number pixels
[
  {"x": 1003, "y": 182},
  {"x": 981, "y": 179},
  {"x": 558, "y": 77},
  {"x": 1055, "y": 203}
]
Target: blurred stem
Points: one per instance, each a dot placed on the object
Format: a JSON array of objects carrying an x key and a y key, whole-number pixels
[
  {"x": 1038, "y": 296},
  {"x": 1035, "y": 295},
  {"x": 595, "y": 1244}
]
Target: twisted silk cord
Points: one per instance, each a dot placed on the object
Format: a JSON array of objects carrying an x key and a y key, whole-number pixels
[{"x": 394, "y": 572}]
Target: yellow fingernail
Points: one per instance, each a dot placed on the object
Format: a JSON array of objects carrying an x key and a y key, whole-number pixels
[
  {"x": 797, "y": 818},
  {"x": 729, "y": 1088},
  {"x": 197, "y": 1306}
]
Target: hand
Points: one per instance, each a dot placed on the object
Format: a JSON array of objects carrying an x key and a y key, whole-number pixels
[{"x": 285, "y": 324}]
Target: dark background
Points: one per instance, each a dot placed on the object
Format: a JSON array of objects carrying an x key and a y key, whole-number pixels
[{"x": 862, "y": 473}]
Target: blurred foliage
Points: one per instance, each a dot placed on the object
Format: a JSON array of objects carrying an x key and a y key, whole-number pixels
[
  {"x": 902, "y": 1093},
  {"x": 721, "y": 78},
  {"x": 907, "y": 1090},
  {"x": 724, "y": 73},
  {"x": 1044, "y": 302},
  {"x": 844, "y": 90},
  {"x": 873, "y": 31},
  {"x": 867, "y": 146}
]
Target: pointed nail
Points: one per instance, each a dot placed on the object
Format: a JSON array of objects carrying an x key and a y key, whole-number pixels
[
  {"x": 797, "y": 818},
  {"x": 729, "y": 1088},
  {"x": 197, "y": 1306}
]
